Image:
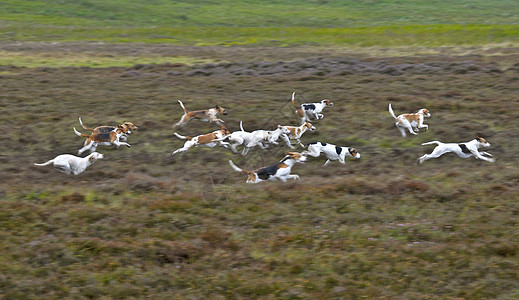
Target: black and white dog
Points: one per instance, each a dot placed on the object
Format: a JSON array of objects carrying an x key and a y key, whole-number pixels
[
  {"x": 331, "y": 151},
  {"x": 463, "y": 150},
  {"x": 308, "y": 111},
  {"x": 279, "y": 171}
]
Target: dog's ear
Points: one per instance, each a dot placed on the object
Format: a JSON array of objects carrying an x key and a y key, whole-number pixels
[{"x": 217, "y": 106}]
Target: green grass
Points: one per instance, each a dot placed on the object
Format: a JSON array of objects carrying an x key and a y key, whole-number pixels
[
  {"x": 291, "y": 13},
  {"x": 382, "y": 36},
  {"x": 278, "y": 23}
]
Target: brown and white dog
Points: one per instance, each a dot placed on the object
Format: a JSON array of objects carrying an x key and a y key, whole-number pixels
[
  {"x": 71, "y": 164},
  {"x": 105, "y": 139},
  {"x": 411, "y": 122},
  {"x": 205, "y": 115},
  {"x": 296, "y": 133},
  {"x": 308, "y": 111},
  {"x": 106, "y": 129},
  {"x": 278, "y": 171},
  {"x": 463, "y": 150},
  {"x": 210, "y": 140}
]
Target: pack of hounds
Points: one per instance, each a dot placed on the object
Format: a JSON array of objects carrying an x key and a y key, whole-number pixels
[{"x": 118, "y": 135}]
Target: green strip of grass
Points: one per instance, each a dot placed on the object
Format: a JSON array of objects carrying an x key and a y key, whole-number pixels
[
  {"x": 381, "y": 36},
  {"x": 89, "y": 59}
]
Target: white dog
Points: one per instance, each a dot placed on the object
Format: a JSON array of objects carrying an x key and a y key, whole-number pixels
[
  {"x": 279, "y": 171},
  {"x": 71, "y": 164},
  {"x": 332, "y": 152},
  {"x": 463, "y": 150},
  {"x": 308, "y": 111},
  {"x": 411, "y": 122},
  {"x": 260, "y": 138}
]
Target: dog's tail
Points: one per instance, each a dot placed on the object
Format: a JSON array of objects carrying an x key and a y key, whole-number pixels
[
  {"x": 45, "y": 163},
  {"x": 79, "y": 133},
  {"x": 236, "y": 168},
  {"x": 183, "y": 107},
  {"x": 182, "y": 137},
  {"x": 241, "y": 126},
  {"x": 299, "y": 111},
  {"x": 294, "y": 100},
  {"x": 432, "y": 142},
  {"x": 83, "y": 125},
  {"x": 391, "y": 111}
]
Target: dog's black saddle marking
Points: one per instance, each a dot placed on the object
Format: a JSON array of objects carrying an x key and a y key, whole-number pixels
[
  {"x": 338, "y": 150},
  {"x": 104, "y": 136},
  {"x": 106, "y": 129},
  {"x": 309, "y": 106},
  {"x": 265, "y": 173},
  {"x": 464, "y": 148}
]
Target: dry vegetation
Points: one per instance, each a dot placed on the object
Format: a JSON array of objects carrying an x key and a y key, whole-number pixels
[{"x": 142, "y": 224}]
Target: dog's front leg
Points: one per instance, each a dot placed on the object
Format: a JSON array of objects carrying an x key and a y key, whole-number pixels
[
  {"x": 479, "y": 156},
  {"x": 287, "y": 141}
]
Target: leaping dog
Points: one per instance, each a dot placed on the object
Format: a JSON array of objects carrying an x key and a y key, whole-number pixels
[
  {"x": 463, "y": 150},
  {"x": 278, "y": 171},
  {"x": 331, "y": 151},
  {"x": 106, "y": 129},
  {"x": 309, "y": 111},
  {"x": 205, "y": 115},
  {"x": 71, "y": 164},
  {"x": 106, "y": 139},
  {"x": 411, "y": 122},
  {"x": 210, "y": 140}
]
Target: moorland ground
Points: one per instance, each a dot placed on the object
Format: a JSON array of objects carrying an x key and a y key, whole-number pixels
[{"x": 141, "y": 223}]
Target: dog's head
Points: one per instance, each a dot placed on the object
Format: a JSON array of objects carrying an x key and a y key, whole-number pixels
[
  {"x": 296, "y": 156},
  {"x": 95, "y": 156},
  {"x": 482, "y": 141},
  {"x": 327, "y": 102},
  {"x": 354, "y": 153},
  {"x": 130, "y": 126},
  {"x": 220, "y": 110},
  {"x": 425, "y": 112},
  {"x": 224, "y": 130},
  {"x": 309, "y": 126},
  {"x": 122, "y": 129}
]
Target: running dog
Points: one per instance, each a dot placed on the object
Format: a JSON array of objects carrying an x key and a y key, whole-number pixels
[
  {"x": 105, "y": 139},
  {"x": 249, "y": 140},
  {"x": 308, "y": 111},
  {"x": 278, "y": 171},
  {"x": 210, "y": 140},
  {"x": 71, "y": 164},
  {"x": 463, "y": 150},
  {"x": 332, "y": 152},
  {"x": 411, "y": 122},
  {"x": 205, "y": 115},
  {"x": 296, "y": 133},
  {"x": 106, "y": 129}
]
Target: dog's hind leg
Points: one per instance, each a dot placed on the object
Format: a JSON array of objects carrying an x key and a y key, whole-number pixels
[
  {"x": 326, "y": 163},
  {"x": 86, "y": 147},
  {"x": 402, "y": 130}
]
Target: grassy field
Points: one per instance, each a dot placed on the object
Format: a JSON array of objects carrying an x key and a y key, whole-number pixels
[{"x": 142, "y": 224}]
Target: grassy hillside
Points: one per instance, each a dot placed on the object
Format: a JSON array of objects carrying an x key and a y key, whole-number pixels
[
  {"x": 286, "y": 13},
  {"x": 361, "y": 23}
]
